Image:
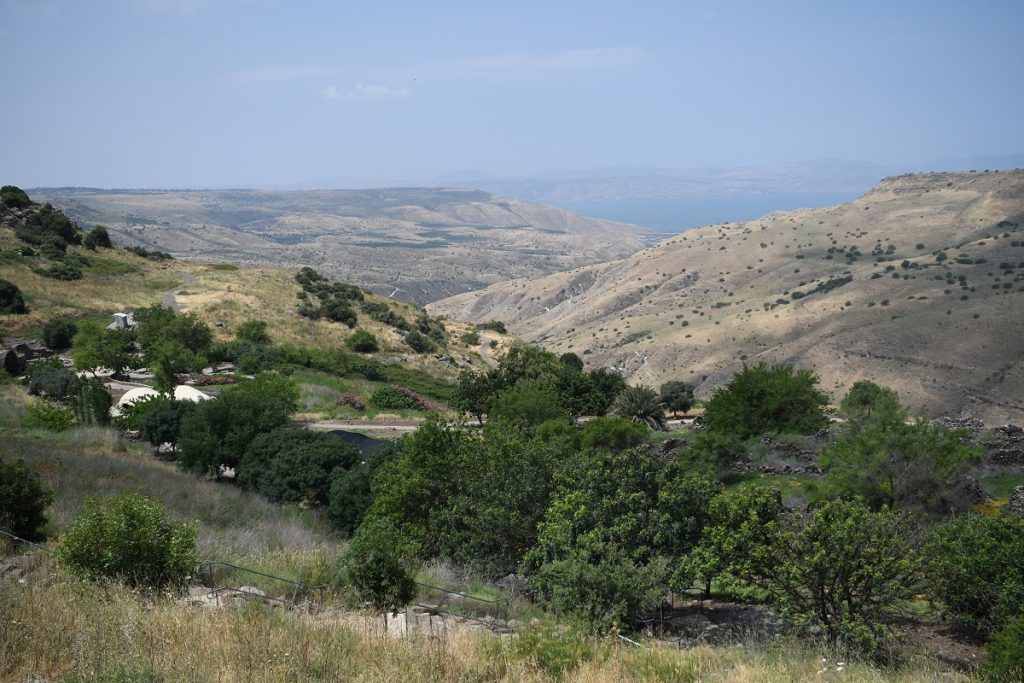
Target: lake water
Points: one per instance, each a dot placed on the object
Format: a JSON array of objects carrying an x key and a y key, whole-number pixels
[{"x": 677, "y": 215}]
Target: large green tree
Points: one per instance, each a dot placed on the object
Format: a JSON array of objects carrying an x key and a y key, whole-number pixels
[
  {"x": 767, "y": 398},
  {"x": 889, "y": 463},
  {"x": 218, "y": 432}
]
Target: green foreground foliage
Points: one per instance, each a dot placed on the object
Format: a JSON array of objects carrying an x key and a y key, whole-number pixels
[
  {"x": 23, "y": 501},
  {"x": 130, "y": 538}
]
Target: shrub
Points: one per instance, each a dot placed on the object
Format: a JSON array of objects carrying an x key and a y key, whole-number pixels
[
  {"x": 1004, "y": 658},
  {"x": 362, "y": 341},
  {"x": 11, "y": 300},
  {"x": 887, "y": 462},
  {"x": 677, "y": 396},
  {"x": 470, "y": 338},
  {"x": 14, "y": 197},
  {"x": 58, "y": 333},
  {"x": 843, "y": 569},
  {"x": 600, "y": 594},
  {"x": 23, "y": 501},
  {"x": 294, "y": 465},
  {"x": 391, "y": 398},
  {"x": 493, "y": 325},
  {"x": 64, "y": 269},
  {"x": 351, "y": 494},
  {"x": 130, "y": 538},
  {"x": 253, "y": 331},
  {"x": 976, "y": 569},
  {"x": 90, "y": 401},
  {"x": 51, "y": 380},
  {"x": 763, "y": 398},
  {"x": 530, "y": 403},
  {"x": 612, "y": 433},
  {"x": 46, "y": 415},
  {"x": 640, "y": 404},
  {"x": 553, "y": 651},
  {"x": 339, "y": 311},
  {"x": 380, "y": 564},
  {"x": 98, "y": 237},
  {"x": 351, "y": 400},
  {"x": 418, "y": 342}
]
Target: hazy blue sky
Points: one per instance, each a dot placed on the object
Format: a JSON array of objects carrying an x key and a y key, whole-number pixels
[{"x": 193, "y": 93}]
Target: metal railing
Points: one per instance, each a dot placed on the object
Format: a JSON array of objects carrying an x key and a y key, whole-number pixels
[
  {"x": 23, "y": 541},
  {"x": 205, "y": 568},
  {"x": 498, "y": 608}
]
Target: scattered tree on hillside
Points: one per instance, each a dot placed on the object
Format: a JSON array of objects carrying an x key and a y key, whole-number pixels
[
  {"x": 11, "y": 299},
  {"x": 97, "y": 237},
  {"x": 677, "y": 396},
  {"x": 253, "y": 331},
  {"x": 94, "y": 347},
  {"x": 381, "y": 565},
  {"x": 58, "y": 333}
]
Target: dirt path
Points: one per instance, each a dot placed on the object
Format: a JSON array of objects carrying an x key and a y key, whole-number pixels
[{"x": 382, "y": 427}]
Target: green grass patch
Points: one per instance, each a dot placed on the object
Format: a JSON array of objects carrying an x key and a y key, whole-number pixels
[
  {"x": 224, "y": 266},
  {"x": 109, "y": 267},
  {"x": 1002, "y": 484}
]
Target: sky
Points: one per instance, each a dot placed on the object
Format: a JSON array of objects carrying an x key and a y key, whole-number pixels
[{"x": 265, "y": 93}]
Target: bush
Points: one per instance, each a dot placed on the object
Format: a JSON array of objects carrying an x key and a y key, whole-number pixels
[
  {"x": 14, "y": 197},
  {"x": 418, "y": 342},
  {"x": 46, "y": 415},
  {"x": 843, "y": 569},
  {"x": 362, "y": 341},
  {"x": 381, "y": 564},
  {"x": 765, "y": 398},
  {"x": 351, "y": 400},
  {"x": 11, "y": 300},
  {"x": 51, "y": 380},
  {"x": 58, "y": 333},
  {"x": 23, "y": 501},
  {"x": 916, "y": 467},
  {"x": 1004, "y": 659},
  {"x": 295, "y": 465},
  {"x": 976, "y": 569},
  {"x": 130, "y": 538},
  {"x": 90, "y": 401},
  {"x": 600, "y": 594},
  {"x": 253, "y": 331},
  {"x": 612, "y": 433},
  {"x": 391, "y": 398},
  {"x": 351, "y": 494},
  {"x": 97, "y": 237},
  {"x": 493, "y": 325},
  {"x": 529, "y": 403}
]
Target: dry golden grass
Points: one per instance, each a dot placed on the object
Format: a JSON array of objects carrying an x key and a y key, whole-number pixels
[{"x": 56, "y": 627}]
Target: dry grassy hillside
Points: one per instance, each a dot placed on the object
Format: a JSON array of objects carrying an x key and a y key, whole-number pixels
[
  {"x": 417, "y": 244},
  {"x": 222, "y": 295},
  {"x": 933, "y": 306}
]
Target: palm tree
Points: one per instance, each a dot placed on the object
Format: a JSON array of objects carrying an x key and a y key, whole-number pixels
[{"x": 640, "y": 404}]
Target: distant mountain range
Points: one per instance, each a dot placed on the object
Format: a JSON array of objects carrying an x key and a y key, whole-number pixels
[{"x": 415, "y": 244}]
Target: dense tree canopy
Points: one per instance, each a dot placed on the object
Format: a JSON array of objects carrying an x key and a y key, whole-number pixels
[{"x": 763, "y": 398}]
